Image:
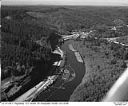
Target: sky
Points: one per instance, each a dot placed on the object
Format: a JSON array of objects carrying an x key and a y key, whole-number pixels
[{"x": 66, "y": 2}]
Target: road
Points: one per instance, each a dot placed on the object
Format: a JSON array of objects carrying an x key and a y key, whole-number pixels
[
  {"x": 114, "y": 40},
  {"x": 62, "y": 90},
  {"x": 33, "y": 92}
]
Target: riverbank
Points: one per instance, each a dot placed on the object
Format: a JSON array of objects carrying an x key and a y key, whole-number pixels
[
  {"x": 76, "y": 53},
  {"x": 100, "y": 73},
  {"x": 31, "y": 94},
  {"x": 67, "y": 82}
]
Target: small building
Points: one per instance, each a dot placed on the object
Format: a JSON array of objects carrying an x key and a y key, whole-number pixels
[{"x": 114, "y": 28}]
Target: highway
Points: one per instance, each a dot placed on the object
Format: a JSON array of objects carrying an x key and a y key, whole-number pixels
[{"x": 35, "y": 91}]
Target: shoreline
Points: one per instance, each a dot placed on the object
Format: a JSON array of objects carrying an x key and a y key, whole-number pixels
[
  {"x": 32, "y": 93},
  {"x": 96, "y": 66},
  {"x": 65, "y": 86},
  {"x": 76, "y": 53},
  {"x": 79, "y": 59}
]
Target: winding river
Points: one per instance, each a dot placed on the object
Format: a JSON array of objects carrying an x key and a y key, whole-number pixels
[{"x": 62, "y": 90}]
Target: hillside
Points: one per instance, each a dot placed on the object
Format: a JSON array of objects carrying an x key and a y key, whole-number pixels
[
  {"x": 104, "y": 63},
  {"x": 31, "y": 33},
  {"x": 69, "y": 18},
  {"x": 22, "y": 58}
]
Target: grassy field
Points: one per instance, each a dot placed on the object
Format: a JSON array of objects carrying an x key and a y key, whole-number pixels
[{"x": 101, "y": 72}]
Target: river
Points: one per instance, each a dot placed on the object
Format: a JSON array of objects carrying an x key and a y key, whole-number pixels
[{"x": 62, "y": 90}]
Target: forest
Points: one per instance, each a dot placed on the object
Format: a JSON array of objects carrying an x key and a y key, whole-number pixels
[
  {"x": 22, "y": 57},
  {"x": 104, "y": 62},
  {"x": 23, "y": 27}
]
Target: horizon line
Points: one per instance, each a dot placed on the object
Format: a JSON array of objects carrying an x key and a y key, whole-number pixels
[{"x": 123, "y": 5}]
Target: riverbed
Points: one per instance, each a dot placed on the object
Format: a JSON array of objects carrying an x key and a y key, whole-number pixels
[{"x": 62, "y": 90}]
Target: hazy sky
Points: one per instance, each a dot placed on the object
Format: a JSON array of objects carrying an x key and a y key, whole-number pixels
[{"x": 65, "y": 2}]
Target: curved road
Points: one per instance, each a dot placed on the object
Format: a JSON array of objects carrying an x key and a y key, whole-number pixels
[{"x": 60, "y": 90}]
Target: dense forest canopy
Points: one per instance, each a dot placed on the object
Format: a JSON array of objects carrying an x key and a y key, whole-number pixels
[
  {"x": 68, "y": 18},
  {"x": 20, "y": 33}
]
